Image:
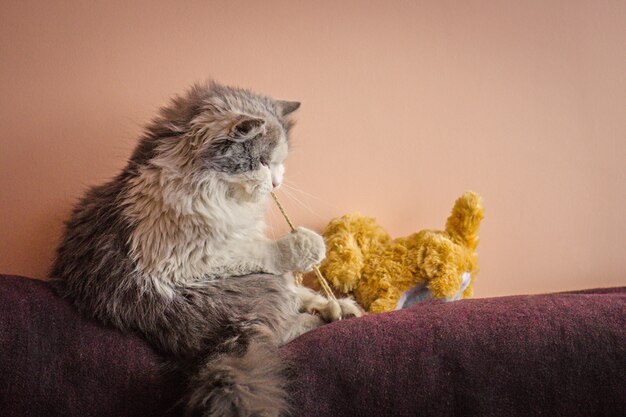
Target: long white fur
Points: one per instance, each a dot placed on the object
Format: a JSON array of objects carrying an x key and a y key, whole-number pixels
[{"x": 214, "y": 223}]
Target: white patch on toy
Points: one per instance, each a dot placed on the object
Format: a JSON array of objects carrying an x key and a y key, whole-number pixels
[
  {"x": 413, "y": 296},
  {"x": 420, "y": 293},
  {"x": 466, "y": 280}
]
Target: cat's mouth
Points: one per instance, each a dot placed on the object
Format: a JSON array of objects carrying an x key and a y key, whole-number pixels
[
  {"x": 259, "y": 189},
  {"x": 252, "y": 190}
]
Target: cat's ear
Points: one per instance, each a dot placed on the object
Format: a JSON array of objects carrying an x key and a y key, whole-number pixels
[
  {"x": 246, "y": 127},
  {"x": 287, "y": 107}
]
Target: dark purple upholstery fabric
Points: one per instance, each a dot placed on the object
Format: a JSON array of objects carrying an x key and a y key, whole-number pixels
[
  {"x": 542, "y": 355},
  {"x": 55, "y": 363}
]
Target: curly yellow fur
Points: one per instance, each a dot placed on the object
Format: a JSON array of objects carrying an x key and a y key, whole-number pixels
[{"x": 364, "y": 261}]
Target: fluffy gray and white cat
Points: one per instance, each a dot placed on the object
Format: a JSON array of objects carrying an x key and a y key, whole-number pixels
[{"x": 173, "y": 248}]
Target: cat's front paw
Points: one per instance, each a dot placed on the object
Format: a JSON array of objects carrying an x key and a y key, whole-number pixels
[
  {"x": 349, "y": 308},
  {"x": 342, "y": 308},
  {"x": 302, "y": 249}
]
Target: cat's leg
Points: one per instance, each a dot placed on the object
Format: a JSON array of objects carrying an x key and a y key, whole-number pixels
[
  {"x": 298, "y": 250},
  {"x": 303, "y": 323},
  {"x": 311, "y": 302}
]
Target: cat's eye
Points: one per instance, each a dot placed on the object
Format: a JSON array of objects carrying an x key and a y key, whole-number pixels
[{"x": 264, "y": 161}]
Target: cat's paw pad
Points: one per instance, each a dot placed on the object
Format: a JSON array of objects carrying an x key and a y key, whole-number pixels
[{"x": 303, "y": 248}]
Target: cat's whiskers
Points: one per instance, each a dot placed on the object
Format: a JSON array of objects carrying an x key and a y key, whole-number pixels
[
  {"x": 291, "y": 196},
  {"x": 292, "y": 186}
]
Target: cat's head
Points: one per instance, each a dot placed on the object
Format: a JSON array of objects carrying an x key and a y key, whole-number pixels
[{"x": 216, "y": 133}]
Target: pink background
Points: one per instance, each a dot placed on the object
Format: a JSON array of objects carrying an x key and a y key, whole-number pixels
[{"x": 406, "y": 104}]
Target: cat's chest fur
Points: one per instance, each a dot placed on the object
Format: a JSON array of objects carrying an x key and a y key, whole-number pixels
[
  {"x": 178, "y": 241},
  {"x": 184, "y": 249}
]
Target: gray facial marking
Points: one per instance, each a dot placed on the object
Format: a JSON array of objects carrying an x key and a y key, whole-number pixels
[{"x": 234, "y": 157}]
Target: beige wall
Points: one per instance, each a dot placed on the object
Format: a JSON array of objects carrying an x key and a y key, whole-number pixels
[{"x": 406, "y": 104}]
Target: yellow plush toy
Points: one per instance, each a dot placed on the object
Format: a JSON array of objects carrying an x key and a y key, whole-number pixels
[{"x": 384, "y": 274}]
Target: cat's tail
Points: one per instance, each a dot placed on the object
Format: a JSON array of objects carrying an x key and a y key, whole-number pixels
[
  {"x": 463, "y": 223},
  {"x": 249, "y": 381}
]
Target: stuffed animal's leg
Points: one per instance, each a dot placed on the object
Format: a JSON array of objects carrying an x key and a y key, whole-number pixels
[{"x": 386, "y": 301}]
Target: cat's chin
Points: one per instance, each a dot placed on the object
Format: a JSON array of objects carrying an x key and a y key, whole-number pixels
[{"x": 250, "y": 192}]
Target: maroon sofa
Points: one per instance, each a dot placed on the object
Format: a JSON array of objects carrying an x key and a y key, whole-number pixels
[{"x": 541, "y": 355}]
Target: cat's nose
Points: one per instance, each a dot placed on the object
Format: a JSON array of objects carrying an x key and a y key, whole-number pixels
[{"x": 275, "y": 184}]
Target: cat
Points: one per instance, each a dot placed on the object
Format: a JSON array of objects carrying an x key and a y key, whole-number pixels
[{"x": 173, "y": 248}]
